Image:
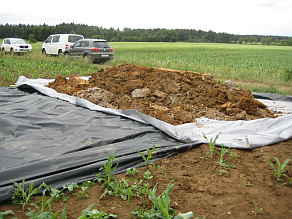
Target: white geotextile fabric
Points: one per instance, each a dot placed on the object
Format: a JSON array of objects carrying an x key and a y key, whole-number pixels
[{"x": 235, "y": 134}]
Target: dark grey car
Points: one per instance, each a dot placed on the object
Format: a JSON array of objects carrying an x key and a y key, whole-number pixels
[{"x": 98, "y": 50}]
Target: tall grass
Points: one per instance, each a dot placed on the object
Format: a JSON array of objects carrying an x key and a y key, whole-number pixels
[{"x": 269, "y": 66}]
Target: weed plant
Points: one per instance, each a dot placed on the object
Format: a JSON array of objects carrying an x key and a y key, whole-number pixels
[
  {"x": 256, "y": 211},
  {"x": 26, "y": 194},
  {"x": 221, "y": 160},
  {"x": 211, "y": 144},
  {"x": 149, "y": 156},
  {"x": 278, "y": 172}
]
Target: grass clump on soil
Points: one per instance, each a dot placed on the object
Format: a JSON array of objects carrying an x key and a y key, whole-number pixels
[{"x": 278, "y": 172}]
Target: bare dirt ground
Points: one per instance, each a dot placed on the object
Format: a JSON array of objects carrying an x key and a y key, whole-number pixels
[{"x": 179, "y": 97}]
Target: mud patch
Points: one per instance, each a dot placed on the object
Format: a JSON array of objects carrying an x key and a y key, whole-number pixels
[{"x": 176, "y": 97}]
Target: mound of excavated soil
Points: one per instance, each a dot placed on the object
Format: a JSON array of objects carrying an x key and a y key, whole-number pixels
[{"x": 176, "y": 97}]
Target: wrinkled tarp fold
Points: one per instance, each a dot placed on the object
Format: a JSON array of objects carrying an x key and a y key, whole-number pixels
[{"x": 58, "y": 139}]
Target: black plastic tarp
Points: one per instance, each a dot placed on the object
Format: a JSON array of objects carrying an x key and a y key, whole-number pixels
[{"x": 50, "y": 140}]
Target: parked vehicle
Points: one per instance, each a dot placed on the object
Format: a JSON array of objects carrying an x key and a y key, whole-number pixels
[
  {"x": 15, "y": 45},
  {"x": 99, "y": 50},
  {"x": 56, "y": 44}
]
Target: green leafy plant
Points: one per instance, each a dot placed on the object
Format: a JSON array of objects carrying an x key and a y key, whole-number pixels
[
  {"x": 27, "y": 194},
  {"x": 81, "y": 194},
  {"x": 290, "y": 180},
  {"x": 95, "y": 214},
  {"x": 222, "y": 172},
  {"x": 256, "y": 211},
  {"x": 160, "y": 170},
  {"x": 211, "y": 144},
  {"x": 54, "y": 192},
  {"x": 41, "y": 214},
  {"x": 132, "y": 172},
  {"x": 6, "y": 213},
  {"x": 278, "y": 172},
  {"x": 149, "y": 156},
  {"x": 147, "y": 175},
  {"x": 221, "y": 161},
  {"x": 108, "y": 170}
]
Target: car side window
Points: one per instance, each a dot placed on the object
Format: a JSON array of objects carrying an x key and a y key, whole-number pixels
[
  {"x": 84, "y": 43},
  {"x": 76, "y": 44},
  {"x": 49, "y": 39},
  {"x": 7, "y": 41},
  {"x": 56, "y": 39}
]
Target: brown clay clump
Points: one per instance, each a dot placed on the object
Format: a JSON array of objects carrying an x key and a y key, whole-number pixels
[{"x": 176, "y": 97}]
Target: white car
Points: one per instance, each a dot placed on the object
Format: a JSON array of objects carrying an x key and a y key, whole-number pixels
[
  {"x": 56, "y": 44},
  {"x": 15, "y": 45}
]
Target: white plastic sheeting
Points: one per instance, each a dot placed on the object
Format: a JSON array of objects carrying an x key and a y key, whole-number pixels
[{"x": 234, "y": 134}]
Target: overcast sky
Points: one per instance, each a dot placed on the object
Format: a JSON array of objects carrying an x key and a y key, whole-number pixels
[{"x": 261, "y": 17}]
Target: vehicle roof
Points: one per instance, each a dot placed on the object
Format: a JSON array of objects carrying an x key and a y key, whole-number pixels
[
  {"x": 93, "y": 39},
  {"x": 13, "y": 38},
  {"x": 65, "y": 34}
]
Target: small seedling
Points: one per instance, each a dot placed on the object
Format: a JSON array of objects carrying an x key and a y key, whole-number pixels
[
  {"x": 221, "y": 161},
  {"x": 108, "y": 169},
  {"x": 233, "y": 154},
  {"x": 27, "y": 194},
  {"x": 149, "y": 156},
  {"x": 248, "y": 184},
  {"x": 290, "y": 180},
  {"x": 132, "y": 172},
  {"x": 271, "y": 184},
  {"x": 5, "y": 213},
  {"x": 222, "y": 172},
  {"x": 160, "y": 170},
  {"x": 211, "y": 144},
  {"x": 278, "y": 172},
  {"x": 88, "y": 213},
  {"x": 81, "y": 193},
  {"x": 147, "y": 175},
  {"x": 256, "y": 209}
]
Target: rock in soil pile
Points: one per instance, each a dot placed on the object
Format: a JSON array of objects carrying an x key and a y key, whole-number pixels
[{"x": 173, "y": 96}]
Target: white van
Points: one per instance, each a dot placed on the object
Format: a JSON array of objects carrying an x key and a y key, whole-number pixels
[{"x": 56, "y": 44}]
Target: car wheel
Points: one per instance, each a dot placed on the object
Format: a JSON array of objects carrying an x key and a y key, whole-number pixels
[
  {"x": 44, "y": 52},
  {"x": 12, "y": 52},
  {"x": 60, "y": 53}
]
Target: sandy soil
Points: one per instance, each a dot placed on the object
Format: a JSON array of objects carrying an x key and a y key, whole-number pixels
[{"x": 179, "y": 97}]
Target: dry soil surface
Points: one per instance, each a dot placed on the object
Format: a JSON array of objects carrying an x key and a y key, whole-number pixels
[{"x": 179, "y": 97}]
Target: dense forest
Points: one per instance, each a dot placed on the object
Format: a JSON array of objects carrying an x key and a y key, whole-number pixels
[{"x": 41, "y": 32}]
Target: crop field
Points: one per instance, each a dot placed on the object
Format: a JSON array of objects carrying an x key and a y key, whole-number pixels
[{"x": 255, "y": 67}]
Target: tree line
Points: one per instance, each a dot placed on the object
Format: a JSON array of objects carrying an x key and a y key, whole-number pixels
[{"x": 41, "y": 32}]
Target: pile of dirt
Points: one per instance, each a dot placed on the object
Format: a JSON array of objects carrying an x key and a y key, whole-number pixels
[{"x": 173, "y": 96}]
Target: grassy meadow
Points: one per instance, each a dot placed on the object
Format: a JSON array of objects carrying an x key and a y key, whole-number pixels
[{"x": 255, "y": 67}]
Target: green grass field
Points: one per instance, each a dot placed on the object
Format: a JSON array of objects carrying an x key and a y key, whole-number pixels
[{"x": 255, "y": 67}]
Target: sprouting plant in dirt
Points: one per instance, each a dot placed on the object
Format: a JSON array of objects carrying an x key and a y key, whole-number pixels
[
  {"x": 6, "y": 213},
  {"x": 278, "y": 172},
  {"x": 233, "y": 154},
  {"x": 222, "y": 172},
  {"x": 161, "y": 204},
  {"x": 256, "y": 211},
  {"x": 160, "y": 170},
  {"x": 149, "y": 156},
  {"x": 290, "y": 180},
  {"x": 132, "y": 171},
  {"x": 211, "y": 144},
  {"x": 44, "y": 214},
  {"x": 95, "y": 214},
  {"x": 221, "y": 160},
  {"x": 81, "y": 194},
  {"x": 248, "y": 184},
  {"x": 26, "y": 194},
  {"x": 147, "y": 175},
  {"x": 108, "y": 170},
  {"x": 54, "y": 192}
]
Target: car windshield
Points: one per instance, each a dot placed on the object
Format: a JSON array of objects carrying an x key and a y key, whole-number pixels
[
  {"x": 18, "y": 42},
  {"x": 73, "y": 39},
  {"x": 101, "y": 44}
]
